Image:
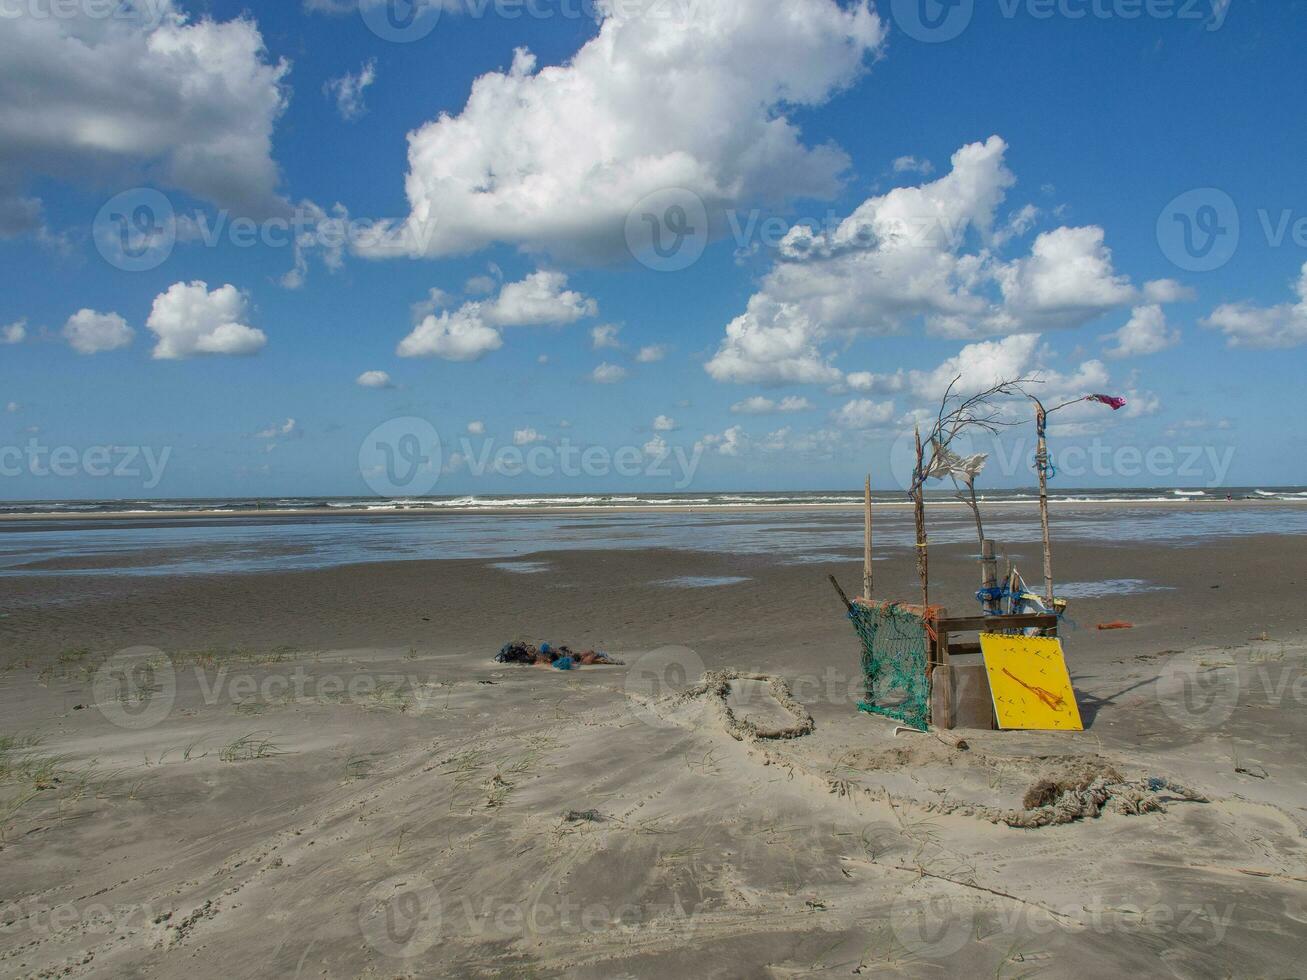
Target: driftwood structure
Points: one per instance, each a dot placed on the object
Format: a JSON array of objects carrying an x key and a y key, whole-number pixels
[
  {"x": 912, "y": 653},
  {"x": 953, "y": 687}
]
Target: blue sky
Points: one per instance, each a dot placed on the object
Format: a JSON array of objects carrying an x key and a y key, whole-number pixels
[{"x": 790, "y": 111}]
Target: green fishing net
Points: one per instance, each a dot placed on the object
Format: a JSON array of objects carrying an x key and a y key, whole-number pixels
[{"x": 893, "y": 662}]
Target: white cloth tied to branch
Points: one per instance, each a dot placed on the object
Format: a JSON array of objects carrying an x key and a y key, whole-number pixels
[{"x": 945, "y": 462}]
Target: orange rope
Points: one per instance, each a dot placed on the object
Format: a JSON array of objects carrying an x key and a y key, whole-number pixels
[
  {"x": 929, "y": 615},
  {"x": 1053, "y": 701}
]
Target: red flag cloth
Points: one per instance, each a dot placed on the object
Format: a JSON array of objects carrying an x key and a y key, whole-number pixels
[{"x": 1110, "y": 400}]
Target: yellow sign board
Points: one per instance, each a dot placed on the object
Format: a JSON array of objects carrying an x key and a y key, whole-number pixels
[{"x": 1030, "y": 684}]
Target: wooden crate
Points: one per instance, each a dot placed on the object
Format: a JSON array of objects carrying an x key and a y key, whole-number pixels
[{"x": 959, "y": 692}]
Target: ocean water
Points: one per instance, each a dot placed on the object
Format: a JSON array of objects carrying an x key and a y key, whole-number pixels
[
  {"x": 536, "y": 502},
  {"x": 701, "y": 581},
  {"x": 278, "y": 541},
  {"x": 1108, "y": 587}
]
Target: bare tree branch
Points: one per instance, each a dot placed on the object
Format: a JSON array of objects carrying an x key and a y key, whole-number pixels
[{"x": 957, "y": 414}]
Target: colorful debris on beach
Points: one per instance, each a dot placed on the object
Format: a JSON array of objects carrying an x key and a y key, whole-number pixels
[{"x": 547, "y": 655}]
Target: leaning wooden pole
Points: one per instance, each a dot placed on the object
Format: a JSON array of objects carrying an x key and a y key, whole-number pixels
[
  {"x": 866, "y": 541},
  {"x": 1041, "y": 461},
  {"x": 919, "y": 510}
]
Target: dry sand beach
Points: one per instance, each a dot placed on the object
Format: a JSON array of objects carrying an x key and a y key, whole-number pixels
[
  {"x": 324, "y": 773},
  {"x": 431, "y": 431}
]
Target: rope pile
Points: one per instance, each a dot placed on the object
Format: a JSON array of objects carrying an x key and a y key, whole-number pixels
[
  {"x": 1106, "y": 794},
  {"x": 717, "y": 683}
]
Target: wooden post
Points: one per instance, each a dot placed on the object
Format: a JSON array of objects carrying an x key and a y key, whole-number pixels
[
  {"x": 866, "y": 542},
  {"x": 843, "y": 598},
  {"x": 941, "y": 679},
  {"x": 919, "y": 509},
  {"x": 941, "y": 639},
  {"x": 975, "y": 511},
  {"x": 988, "y": 575},
  {"x": 1041, "y": 461}
]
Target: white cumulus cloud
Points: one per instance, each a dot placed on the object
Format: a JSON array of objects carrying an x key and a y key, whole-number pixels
[
  {"x": 651, "y": 354},
  {"x": 458, "y": 336},
  {"x": 1167, "y": 291},
  {"x": 863, "y": 413},
  {"x": 877, "y": 383},
  {"x": 981, "y": 365},
  {"x": 978, "y": 366},
  {"x": 347, "y": 91},
  {"x": 605, "y": 336},
  {"x": 436, "y": 299},
  {"x": 541, "y": 299},
  {"x": 13, "y": 333},
  {"x": 608, "y": 374},
  {"x": 89, "y": 332},
  {"x": 733, "y": 442},
  {"x": 695, "y": 96},
  {"x": 1066, "y": 280},
  {"x": 1264, "y": 327},
  {"x": 912, "y": 165},
  {"x": 761, "y": 405},
  {"x": 278, "y": 430},
  {"x": 772, "y": 343},
  {"x": 656, "y": 447},
  {"x": 473, "y": 330},
  {"x": 374, "y": 379},
  {"x": 190, "y": 102},
  {"x": 1146, "y": 332},
  {"x": 190, "y": 319},
  {"x": 927, "y": 253}
]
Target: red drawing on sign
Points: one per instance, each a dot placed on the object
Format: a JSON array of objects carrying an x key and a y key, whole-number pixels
[{"x": 1053, "y": 701}]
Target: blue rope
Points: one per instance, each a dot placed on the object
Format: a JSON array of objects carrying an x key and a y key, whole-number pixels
[
  {"x": 998, "y": 593},
  {"x": 995, "y": 593}
]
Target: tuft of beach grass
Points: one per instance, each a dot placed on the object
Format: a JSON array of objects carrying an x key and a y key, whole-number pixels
[{"x": 255, "y": 745}]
